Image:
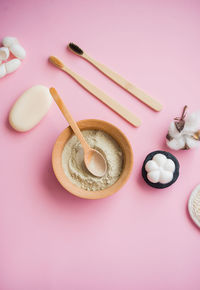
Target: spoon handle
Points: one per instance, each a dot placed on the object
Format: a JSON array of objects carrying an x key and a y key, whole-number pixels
[{"x": 69, "y": 118}]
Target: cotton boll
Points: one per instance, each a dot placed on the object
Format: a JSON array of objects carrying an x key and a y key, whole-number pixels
[
  {"x": 4, "y": 53},
  {"x": 18, "y": 51},
  {"x": 173, "y": 132},
  {"x": 160, "y": 159},
  {"x": 151, "y": 165},
  {"x": 176, "y": 144},
  {"x": 2, "y": 70},
  {"x": 12, "y": 65},
  {"x": 165, "y": 176},
  {"x": 191, "y": 142},
  {"x": 153, "y": 176},
  {"x": 8, "y": 41},
  {"x": 169, "y": 165},
  {"x": 192, "y": 122}
]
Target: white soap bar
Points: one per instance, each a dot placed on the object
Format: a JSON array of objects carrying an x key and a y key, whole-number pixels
[
  {"x": 12, "y": 65},
  {"x": 30, "y": 108},
  {"x": 4, "y": 53}
]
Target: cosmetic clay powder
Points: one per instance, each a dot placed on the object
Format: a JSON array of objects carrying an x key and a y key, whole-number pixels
[{"x": 73, "y": 160}]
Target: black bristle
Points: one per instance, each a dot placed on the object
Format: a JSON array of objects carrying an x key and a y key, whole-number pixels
[{"x": 75, "y": 48}]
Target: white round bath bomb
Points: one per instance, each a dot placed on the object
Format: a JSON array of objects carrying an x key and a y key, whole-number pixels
[
  {"x": 18, "y": 51},
  {"x": 2, "y": 70},
  {"x": 4, "y": 53},
  {"x": 160, "y": 169},
  {"x": 8, "y": 41},
  {"x": 30, "y": 108},
  {"x": 12, "y": 65},
  {"x": 194, "y": 205}
]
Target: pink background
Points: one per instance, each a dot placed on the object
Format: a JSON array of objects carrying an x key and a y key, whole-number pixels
[{"x": 139, "y": 238}]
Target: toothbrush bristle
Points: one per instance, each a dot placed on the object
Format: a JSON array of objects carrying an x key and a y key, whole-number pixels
[
  {"x": 75, "y": 48},
  {"x": 55, "y": 61}
]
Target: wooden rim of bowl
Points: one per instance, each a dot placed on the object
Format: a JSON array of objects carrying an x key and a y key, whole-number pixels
[{"x": 118, "y": 136}]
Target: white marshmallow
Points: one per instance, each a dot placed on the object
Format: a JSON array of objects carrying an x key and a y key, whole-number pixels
[
  {"x": 18, "y": 51},
  {"x": 4, "y": 53},
  {"x": 2, "y": 70},
  {"x": 8, "y": 41},
  {"x": 12, "y": 65}
]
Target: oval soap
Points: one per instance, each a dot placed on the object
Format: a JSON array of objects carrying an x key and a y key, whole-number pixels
[{"x": 30, "y": 108}]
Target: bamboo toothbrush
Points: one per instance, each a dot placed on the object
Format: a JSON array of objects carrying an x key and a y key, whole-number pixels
[
  {"x": 115, "y": 106},
  {"x": 139, "y": 94}
]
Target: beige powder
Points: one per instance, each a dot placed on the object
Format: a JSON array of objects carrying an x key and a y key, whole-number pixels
[{"x": 73, "y": 160}]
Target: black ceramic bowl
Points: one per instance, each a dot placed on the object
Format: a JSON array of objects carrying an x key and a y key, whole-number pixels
[{"x": 158, "y": 184}]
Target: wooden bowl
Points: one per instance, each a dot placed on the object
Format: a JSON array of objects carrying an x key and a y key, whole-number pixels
[{"x": 95, "y": 125}]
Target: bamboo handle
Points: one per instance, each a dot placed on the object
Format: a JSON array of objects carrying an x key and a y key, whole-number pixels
[
  {"x": 69, "y": 118},
  {"x": 115, "y": 106},
  {"x": 139, "y": 94}
]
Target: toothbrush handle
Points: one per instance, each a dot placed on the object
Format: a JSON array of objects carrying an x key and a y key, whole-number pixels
[
  {"x": 139, "y": 94},
  {"x": 115, "y": 106}
]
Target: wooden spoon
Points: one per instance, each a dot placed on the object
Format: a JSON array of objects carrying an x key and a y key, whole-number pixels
[{"x": 94, "y": 160}]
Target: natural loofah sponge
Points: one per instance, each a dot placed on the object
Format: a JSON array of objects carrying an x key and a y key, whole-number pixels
[
  {"x": 184, "y": 133},
  {"x": 194, "y": 205}
]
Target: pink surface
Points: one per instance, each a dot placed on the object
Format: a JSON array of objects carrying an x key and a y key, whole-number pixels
[{"x": 139, "y": 238}]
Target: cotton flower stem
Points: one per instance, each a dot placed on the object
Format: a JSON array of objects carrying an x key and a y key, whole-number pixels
[{"x": 181, "y": 120}]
